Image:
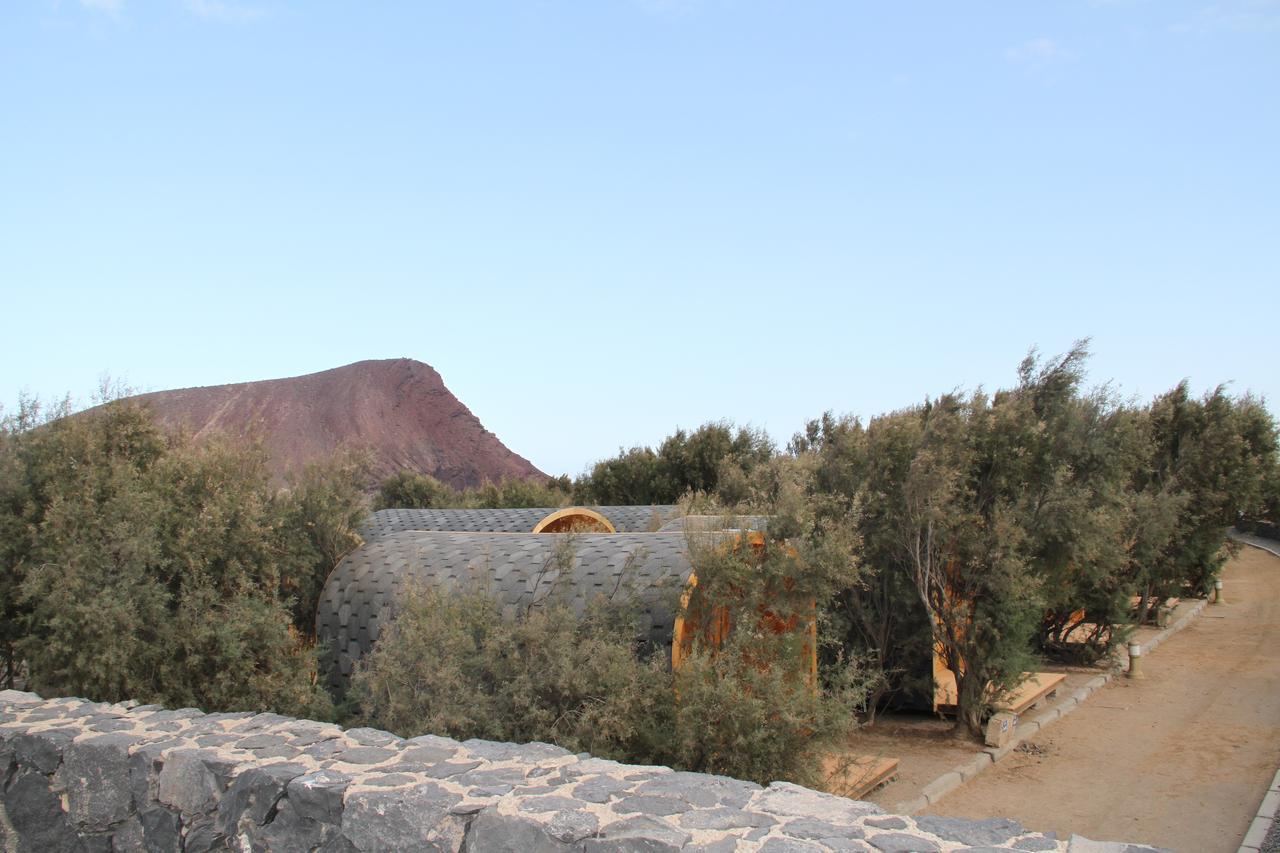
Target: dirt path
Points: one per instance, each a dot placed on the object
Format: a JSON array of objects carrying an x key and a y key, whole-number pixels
[{"x": 1180, "y": 759}]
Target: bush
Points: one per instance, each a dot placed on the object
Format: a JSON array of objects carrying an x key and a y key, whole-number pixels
[
  {"x": 450, "y": 664},
  {"x": 139, "y": 565},
  {"x": 411, "y": 490}
]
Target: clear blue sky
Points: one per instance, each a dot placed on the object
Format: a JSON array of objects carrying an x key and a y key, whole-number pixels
[{"x": 603, "y": 219}]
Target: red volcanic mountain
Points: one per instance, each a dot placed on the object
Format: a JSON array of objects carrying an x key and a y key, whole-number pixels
[{"x": 398, "y": 409}]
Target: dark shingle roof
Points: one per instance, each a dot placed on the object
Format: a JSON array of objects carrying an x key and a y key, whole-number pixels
[{"x": 517, "y": 569}]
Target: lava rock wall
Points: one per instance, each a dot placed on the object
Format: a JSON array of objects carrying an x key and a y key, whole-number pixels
[{"x": 88, "y": 776}]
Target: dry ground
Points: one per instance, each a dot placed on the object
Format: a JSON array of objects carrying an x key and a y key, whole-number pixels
[{"x": 1180, "y": 759}]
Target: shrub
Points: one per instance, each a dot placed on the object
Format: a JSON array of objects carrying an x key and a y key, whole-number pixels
[
  {"x": 450, "y": 664},
  {"x": 143, "y": 566}
]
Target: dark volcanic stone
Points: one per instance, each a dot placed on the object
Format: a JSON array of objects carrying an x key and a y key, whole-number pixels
[
  {"x": 900, "y": 842},
  {"x": 531, "y": 753},
  {"x": 95, "y": 775},
  {"x": 492, "y": 831},
  {"x": 390, "y": 780},
  {"x": 789, "y": 845},
  {"x": 318, "y": 796},
  {"x": 427, "y": 754},
  {"x": 807, "y": 827},
  {"x": 976, "y": 833},
  {"x": 191, "y": 781},
  {"x": 260, "y": 741},
  {"x": 640, "y": 834},
  {"x": 648, "y": 804},
  {"x": 601, "y": 789},
  {"x": 253, "y": 795},
  {"x": 701, "y": 789},
  {"x": 446, "y": 769},
  {"x": 403, "y": 819},
  {"x": 36, "y": 814},
  {"x": 42, "y": 750},
  {"x": 201, "y": 836},
  {"x": 364, "y": 755},
  {"x": 290, "y": 833},
  {"x": 550, "y": 804},
  {"x": 723, "y": 818},
  {"x": 373, "y": 737},
  {"x": 572, "y": 826}
]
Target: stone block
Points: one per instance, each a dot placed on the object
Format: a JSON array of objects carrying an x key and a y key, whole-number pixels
[
  {"x": 700, "y": 789},
  {"x": 403, "y": 819},
  {"x": 319, "y": 796},
  {"x": 788, "y": 800},
  {"x": 187, "y": 784},
  {"x": 640, "y": 834},
  {"x": 811, "y": 828},
  {"x": 901, "y": 842},
  {"x": 974, "y": 766},
  {"x": 940, "y": 787},
  {"x": 974, "y": 833},
  {"x": 1001, "y": 728},
  {"x": 253, "y": 795},
  {"x": 572, "y": 826},
  {"x": 791, "y": 845},
  {"x": 36, "y": 814},
  {"x": 95, "y": 776},
  {"x": 42, "y": 751},
  {"x": 492, "y": 831}
]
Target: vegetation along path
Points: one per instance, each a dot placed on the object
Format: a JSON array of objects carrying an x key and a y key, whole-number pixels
[{"x": 1179, "y": 759}]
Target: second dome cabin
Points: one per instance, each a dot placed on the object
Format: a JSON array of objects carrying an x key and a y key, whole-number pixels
[{"x": 523, "y": 571}]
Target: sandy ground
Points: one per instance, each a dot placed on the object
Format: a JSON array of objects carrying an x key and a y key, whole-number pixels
[{"x": 1180, "y": 759}]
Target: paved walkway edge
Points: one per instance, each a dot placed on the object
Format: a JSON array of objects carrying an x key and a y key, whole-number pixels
[
  {"x": 1271, "y": 546},
  {"x": 958, "y": 775},
  {"x": 1269, "y": 809},
  {"x": 1268, "y": 813}
]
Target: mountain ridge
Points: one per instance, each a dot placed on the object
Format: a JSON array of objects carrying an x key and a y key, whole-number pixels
[{"x": 398, "y": 409}]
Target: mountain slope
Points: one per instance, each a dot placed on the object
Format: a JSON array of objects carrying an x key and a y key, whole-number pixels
[{"x": 398, "y": 409}]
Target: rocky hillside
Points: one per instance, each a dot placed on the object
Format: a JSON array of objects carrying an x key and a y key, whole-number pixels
[{"x": 399, "y": 409}]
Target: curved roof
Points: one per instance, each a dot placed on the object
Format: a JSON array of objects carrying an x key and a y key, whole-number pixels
[
  {"x": 518, "y": 569},
  {"x": 625, "y": 519}
]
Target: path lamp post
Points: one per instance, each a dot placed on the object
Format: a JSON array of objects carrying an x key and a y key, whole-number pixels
[
  {"x": 1135, "y": 659},
  {"x": 1217, "y": 590}
]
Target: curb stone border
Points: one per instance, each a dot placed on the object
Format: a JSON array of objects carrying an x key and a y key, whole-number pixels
[
  {"x": 1268, "y": 814},
  {"x": 955, "y": 777}
]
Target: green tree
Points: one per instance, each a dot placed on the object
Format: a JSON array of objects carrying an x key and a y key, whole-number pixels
[{"x": 150, "y": 567}]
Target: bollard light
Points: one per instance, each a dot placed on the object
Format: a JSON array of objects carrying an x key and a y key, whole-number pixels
[
  {"x": 1135, "y": 659},
  {"x": 1217, "y": 590}
]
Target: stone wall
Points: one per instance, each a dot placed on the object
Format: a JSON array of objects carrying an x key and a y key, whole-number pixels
[{"x": 79, "y": 775}]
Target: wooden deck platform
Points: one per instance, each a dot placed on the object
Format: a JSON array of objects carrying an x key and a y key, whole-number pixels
[{"x": 857, "y": 776}]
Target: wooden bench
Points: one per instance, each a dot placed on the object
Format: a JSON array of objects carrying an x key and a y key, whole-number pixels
[{"x": 1034, "y": 688}]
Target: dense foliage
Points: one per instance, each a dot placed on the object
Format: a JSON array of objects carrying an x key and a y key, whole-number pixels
[
  {"x": 412, "y": 490},
  {"x": 140, "y": 565}
]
